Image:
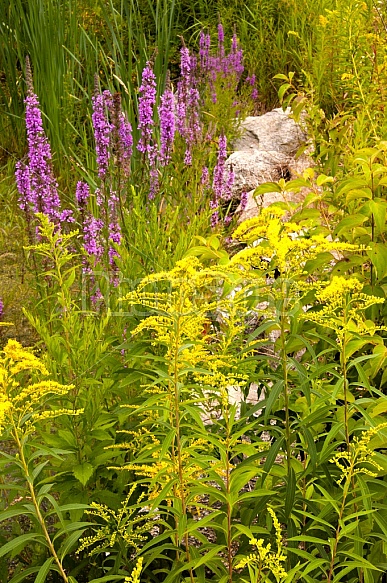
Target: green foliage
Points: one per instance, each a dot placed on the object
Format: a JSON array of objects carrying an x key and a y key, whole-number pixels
[{"x": 217, "y": 415}]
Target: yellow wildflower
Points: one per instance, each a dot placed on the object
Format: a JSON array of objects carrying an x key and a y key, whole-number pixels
[{"x": 135, "y": 576}]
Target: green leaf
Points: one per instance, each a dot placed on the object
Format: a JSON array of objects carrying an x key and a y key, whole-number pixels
[
  {"x": 267, "y": 187},
  {"x": 44, "y": 570},
  {"x": 290, "y": 492},
  {"x": 12, "y": 512},
  {"x": 349, "y": 223},
  {"x": 20, "y": 541},
  {"x": 308, "y": 539},
  {"x": 378, "y": 257},
  {"x": 24, "y": 574},
  {"x": 378, "y": 209},
  {"x": 83, "y": 472},
  {"x": 70, "y": 542}
]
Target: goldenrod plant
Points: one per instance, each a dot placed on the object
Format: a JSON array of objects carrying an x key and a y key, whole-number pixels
[
  {"x": 25, "y": 403},
  {"x": 205, "y": 402}
]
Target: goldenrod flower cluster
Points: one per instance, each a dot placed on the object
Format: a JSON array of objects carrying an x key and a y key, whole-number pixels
[
  {"x": 359, "y": 456},
  {"x": 135, "y": 576},
  {"x": 125, "y": 524},
  {"x": 22, "y": 401},
  {"x": 281, "y": 245},
  {"x": 164, "y": 470},
  {"x": 343, "y": 305},
  {"x": 265, "y": 560}
]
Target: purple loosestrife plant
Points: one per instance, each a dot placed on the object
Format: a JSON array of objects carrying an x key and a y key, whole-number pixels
[
  {"x": 204, "y": 51},
  {"x": 122, "y": 137},
  {"x": 82, "y": 194},
  {"x": 167, "y": 124},
  {"x": 146, "y": 103},
  {"x": 219, "y": 170},
  {"x": 92, "y": 231},
  {"x": 221, "y": 52},
  {"x": 244, "y": 200},
  {"x": 102, "y": 131},
  {"x": 188, "y": 104},
  {"x": 223, "y": 181},
  {"x": 35, "y": 179},
  {"x": 146, "y": 145}
]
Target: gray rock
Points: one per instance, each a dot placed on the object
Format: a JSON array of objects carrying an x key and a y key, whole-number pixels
[
  {"x": 255, "y": 167},
  {"x": 274, "y": 131},
  {"x": 265, "y": 152}
]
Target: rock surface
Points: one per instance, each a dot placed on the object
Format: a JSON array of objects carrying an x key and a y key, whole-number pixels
[{"x": 265, "y": 152}]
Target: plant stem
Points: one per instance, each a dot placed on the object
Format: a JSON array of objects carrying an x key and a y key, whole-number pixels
[
  {"x": 178, "y": 453},
  {"x": 285, "y": 373},
  {"x": 39, "y": 515}
]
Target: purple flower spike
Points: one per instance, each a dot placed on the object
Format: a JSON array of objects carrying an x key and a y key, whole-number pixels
[
  {"x": 92, "y": 229},
  {"x": 204, "y": 51},
  {"x": 102, "y": 131},
  {"x": 220, "y": 40},
  {"x": 214, "y": 219},
  {"x": 125, "y": 145},
  {"x": 205, "y": 178},
  {"x": 185, "y": 64},
  {"x": 36, "y": 182},
  {"x": 218, "y": 180},
  {"x": 244, "y": 199},
  {"x": 146, "y": 104},
  {"x": 1, "y": 308},
  {"x": 167, "y": 124},
  {"x": 82, "y": 193},
  {"x": 23, "y": 184},
  {"x": 66, "y": 216}
]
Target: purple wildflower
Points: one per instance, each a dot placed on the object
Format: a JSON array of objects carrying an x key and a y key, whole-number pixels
[
  {"x": 205, "y": 177},
  {"x": 23, "y": 184},
  {"x": 35, "y": 180},
  {"x": 227, "y": 220},
  {"x": 167, "y": 124},
  {"x": 185, "y": 64},
  {"x": 146, "y": 104},
  {"x": 92, "y": 229},
  {"x": 125, "y": 144},
  {"x": 1, "y": 308},
  {"x": 218, "y": 180},
  {"x": 220, "y": 41},
  {"x": 243, "y": 203},
  {"x": 102, "y": 131},
  {"x": 66, "y": 216},
  {"x": 214, "y": 219},
  {"x": 227, "y": 193},
  {"x": 235, "y": 59},
  {"x": 122, "y": 136},
  {"x": 188, "y": 157},
  {"x": 82, "y": 193},
  {"x": 204, "y": 51},
  {"x": 187, "y": 106}
]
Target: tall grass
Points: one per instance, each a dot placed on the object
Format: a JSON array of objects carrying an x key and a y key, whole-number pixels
[{"x": 68, "y": 43}]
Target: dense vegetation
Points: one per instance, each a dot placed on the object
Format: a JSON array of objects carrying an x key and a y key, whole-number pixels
[{"x": 184, "y": 396}]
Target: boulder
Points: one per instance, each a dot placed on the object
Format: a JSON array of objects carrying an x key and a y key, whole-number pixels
[
  {"x": 265, "y": 152},
  {"x": 274, "y": 131}
]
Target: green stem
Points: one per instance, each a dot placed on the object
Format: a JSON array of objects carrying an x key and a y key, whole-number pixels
[
  {"x": 177, "y": 454},
  {"x": 285, "y": 374},
  {"x": 39, "y": 515}
]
